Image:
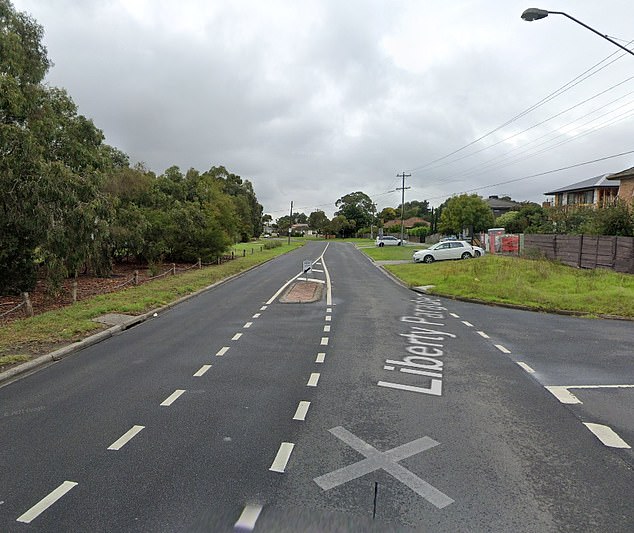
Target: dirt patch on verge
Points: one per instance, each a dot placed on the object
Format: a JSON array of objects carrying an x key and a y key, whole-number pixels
[{"x": 302, "y": 292}]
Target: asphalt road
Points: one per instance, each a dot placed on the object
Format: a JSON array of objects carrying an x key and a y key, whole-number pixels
[{"x": 374, "y": 408}]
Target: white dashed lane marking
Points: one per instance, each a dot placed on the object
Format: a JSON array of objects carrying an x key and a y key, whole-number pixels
[
  {"x": 468, "y": 324},
  {"x": 202, "y": 370},
  {"x": 248, "y": 325},
  {"x": 526, "y": 367},
  {"x": 328, "y": 318},
  {"x": 257, "y": 315},
  {"x": 483, "y": 334},
  {"x": 264, "y": 308},
  {"x": 236, "y": 336},
  {"x": 607, "y": 435},
  {"x": 282, "y": 457},
  {"x": 326, "y": 329},
  {"x": 502, "y": 348},
  {"x": 248, "y": 518},
  {"x": 172, "y": 398},
  {"x": 222, "y": 351},
  {"x": 454, "y": 315},
  {"x": 324, "y": 341},
  {"x": 125, "y": 438},
  {"x": 302, "y": 410},
  {"x": 320, "y": 357},
  {"x": 46, "y": 502},
  {"x": 313, "y": 380}
]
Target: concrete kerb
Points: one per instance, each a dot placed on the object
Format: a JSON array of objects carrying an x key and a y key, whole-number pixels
[{"x": 70, "y": 349}]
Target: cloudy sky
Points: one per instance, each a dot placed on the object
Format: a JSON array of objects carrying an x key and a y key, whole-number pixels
[{"x": 313, "y": 99}]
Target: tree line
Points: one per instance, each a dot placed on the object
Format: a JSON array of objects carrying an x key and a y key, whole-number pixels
[
  {"x": 459, "y": 214},
  {"x": 72, "y": 203}
]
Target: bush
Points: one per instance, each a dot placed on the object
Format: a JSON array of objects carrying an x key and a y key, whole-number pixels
[{"x": 269, "y": 245}]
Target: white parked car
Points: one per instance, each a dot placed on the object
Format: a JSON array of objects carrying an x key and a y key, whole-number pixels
[
  {"x": 387, "y": 240},
  {"x": 445, "y": 250}
]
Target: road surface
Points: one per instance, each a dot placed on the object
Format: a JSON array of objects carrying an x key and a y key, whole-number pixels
[{"x": 374, "y": 408}]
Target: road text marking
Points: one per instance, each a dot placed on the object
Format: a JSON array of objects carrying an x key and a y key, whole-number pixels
[
  {"x": 526, "y": 367},
  {"x": 282, "y": 457},
  {"x": 607, "y": 435},
  {"x": 313, "y": 380},
  {"x": 46, "y": 502},
  {"x": 388, "y": 461},
  {"x": 202, "y": 370},
  {"x": 222, "y": 351},
  {"x": 502, "y": 348},
  {"x": 302, "y": 409},
  {"x": 320, "y": 357},
  {"x": 248, "y": 518},
  {"x": 125, "y": 438},
  {"x": 172, "y": 398}
]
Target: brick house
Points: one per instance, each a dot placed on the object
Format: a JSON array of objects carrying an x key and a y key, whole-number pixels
[
  {"x": 596, "y": 192},
  {"x": 626, "y": 187}
]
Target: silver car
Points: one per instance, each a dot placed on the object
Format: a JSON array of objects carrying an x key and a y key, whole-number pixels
[
  {"x": 445, "y": 250},
  {"x": 387, "y": 240}
]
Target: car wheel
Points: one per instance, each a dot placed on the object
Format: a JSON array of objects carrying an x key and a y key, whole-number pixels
[
  {"x": 466, "y": 255},
  {"x": 477, "y": 253},
  {"x": 428, "y": 259},
  {"x": 381, "y": 244},
  {"x": 398, "y": 243}
]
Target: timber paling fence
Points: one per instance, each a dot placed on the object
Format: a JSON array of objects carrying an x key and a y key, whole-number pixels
[
  {"x": 585, "y": 251},
  {"x": 134, "y": 280}
]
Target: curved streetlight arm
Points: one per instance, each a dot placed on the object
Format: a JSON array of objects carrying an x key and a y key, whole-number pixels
[{"x": 536, "y": 14}]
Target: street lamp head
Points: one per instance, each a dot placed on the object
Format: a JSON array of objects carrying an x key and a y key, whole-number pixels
[{"x": 532, "y": 13}]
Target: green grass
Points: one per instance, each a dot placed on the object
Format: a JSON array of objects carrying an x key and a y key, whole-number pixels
[
  {"x": 541, "y": 285},
  {"x": 33, "y": 335},
  {"x": 393, "y": 253}
]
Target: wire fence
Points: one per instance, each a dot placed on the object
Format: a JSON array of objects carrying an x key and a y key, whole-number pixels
[{"x": 135, "y": 280}]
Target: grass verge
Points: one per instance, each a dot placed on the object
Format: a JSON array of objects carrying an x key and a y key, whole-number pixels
[
  {"x": 541, "y": 285},
  {"x": 37, "y": 335}
]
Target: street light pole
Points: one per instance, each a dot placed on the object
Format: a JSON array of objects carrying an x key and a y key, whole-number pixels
[{"x": 534, "y": 13}]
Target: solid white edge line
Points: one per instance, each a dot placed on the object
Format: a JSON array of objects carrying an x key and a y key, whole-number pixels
[
  {"x": 125, "y": 438},
  {"x": 202, "y": 370},
  {"x": 607, "y": 435},
  {"x": 46, "y": 502},
  {"x": 313, "y": 380},
  {"x": 302, "y": 410},
  {"x": 563, "y": 394},
  {"x": 468, "y": 324},
  {"x": 236, "y": 336},
  {"x": 320, "y": 357},
  {"x": 599, "y": 386},
  {"x": 526, "y": 367},
  {"x": 172, "y": 398},
  {"x": 328, "y": 283},
  {"x": 282, "y": 457},
  {"x": 502, "y": 348},
  {"x": 483, "y": 334},
  {"x": 249, "y": 517},
  {"x": 222, "y": 351}
]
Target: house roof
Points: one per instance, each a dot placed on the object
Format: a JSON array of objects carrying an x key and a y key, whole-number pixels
[
  {"x": 499, "y": 203},
  {"x": 624, "y": 174},
  {"x": 590, "y": 183}
]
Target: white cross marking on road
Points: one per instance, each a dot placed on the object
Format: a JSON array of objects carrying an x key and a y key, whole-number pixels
[{"x": 388, "y": 461}]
